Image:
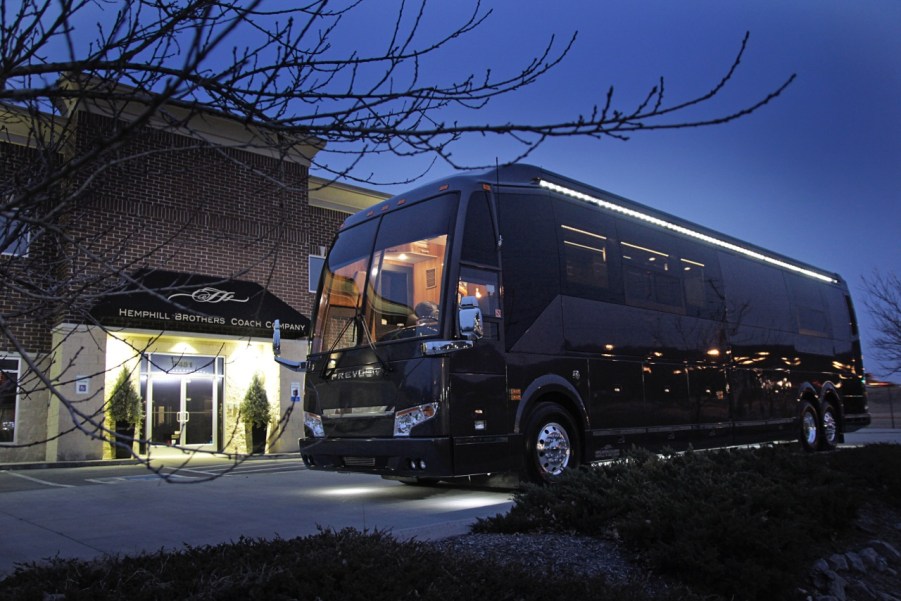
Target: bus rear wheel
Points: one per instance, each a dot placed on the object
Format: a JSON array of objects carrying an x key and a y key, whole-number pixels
[
  {"x": 810, "y": 427},
  {"x": 828, "y": 425},
  {"x": 552, "y": 444}
]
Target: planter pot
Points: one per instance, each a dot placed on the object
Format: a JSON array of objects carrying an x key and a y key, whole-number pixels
[
  {"x": 258, "y": 439},
  {"x": 125, "y": 433}
]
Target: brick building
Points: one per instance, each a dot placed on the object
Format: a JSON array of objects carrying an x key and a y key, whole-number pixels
[{"x": 190, "y": 240}]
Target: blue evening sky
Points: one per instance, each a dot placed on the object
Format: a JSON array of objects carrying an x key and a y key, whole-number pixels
[{"x": 816, "y": 175}]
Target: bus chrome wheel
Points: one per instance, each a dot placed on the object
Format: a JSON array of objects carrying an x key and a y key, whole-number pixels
[
  {"x": 552, "y": 444},
  {"x": 810, "y": 429},
  {"x": 828, "y": 427}
]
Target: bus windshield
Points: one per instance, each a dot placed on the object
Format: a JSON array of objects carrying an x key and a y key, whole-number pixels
[{"x": 383, "y": 279}]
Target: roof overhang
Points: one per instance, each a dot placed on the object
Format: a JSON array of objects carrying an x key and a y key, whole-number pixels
[
  {"x": 338, "y": 196},
  {"x": 25, "y": 128},
  {"x": 118, "y": 101}
]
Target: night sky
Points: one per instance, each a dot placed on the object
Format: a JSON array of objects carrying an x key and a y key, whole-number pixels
[{"x": 816, "y": 175}]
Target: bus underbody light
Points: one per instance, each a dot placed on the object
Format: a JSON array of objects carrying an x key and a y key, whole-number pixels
[
  {"x": 406, "y": 419},
  {"x": 606, "y": 204}
]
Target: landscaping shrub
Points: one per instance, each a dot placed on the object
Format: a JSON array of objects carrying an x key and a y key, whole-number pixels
[
  {"x": 333, "y": 565},
  {"x": 732, "y": 522}
]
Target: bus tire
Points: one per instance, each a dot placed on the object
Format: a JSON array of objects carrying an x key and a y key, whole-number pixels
[
  {"x": 828, "y": 424},
  {"x": 552, "y": 444},
  {"x": 810, "y": 427}
]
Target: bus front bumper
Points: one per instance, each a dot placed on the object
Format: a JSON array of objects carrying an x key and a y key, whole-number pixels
[{"x": 407, "y": 457}]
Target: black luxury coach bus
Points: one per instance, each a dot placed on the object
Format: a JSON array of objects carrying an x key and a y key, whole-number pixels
[{"x": 519, "y": 321}]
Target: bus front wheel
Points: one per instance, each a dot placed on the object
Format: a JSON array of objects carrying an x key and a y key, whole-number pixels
[{"x": 552, "y": 444}]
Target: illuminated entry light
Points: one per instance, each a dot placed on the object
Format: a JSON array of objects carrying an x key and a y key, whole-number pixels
[{"x": 684, "y": 231}]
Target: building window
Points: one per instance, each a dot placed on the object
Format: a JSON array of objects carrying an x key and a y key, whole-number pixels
[
  {"x": 14, "y": 237},
  {"x": 9, "y": 394},
  {"x": 315, "y": 270}
]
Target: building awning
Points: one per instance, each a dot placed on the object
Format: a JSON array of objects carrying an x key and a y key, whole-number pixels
[{"x": 185, "y": 302}]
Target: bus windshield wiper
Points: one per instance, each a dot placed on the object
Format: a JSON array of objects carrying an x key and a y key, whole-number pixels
[
  {"x": 359, "y": 315},
  {"x": 357, "y": 318}
]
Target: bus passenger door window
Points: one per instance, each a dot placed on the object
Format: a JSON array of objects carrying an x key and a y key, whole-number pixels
[{"x": 483, "y": 285}]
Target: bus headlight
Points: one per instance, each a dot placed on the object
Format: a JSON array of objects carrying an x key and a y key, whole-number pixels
[
  {"x": 313, "y": 423},
  {"x": 406, "y": 419}
]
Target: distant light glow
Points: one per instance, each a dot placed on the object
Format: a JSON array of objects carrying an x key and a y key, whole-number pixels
[
  {"x": 684, "y": 231},
  {"x": 355, "y": 491}
]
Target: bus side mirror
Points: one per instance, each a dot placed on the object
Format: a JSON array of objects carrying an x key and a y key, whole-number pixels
[
  {"x": 276, "y": 338},
  {"x": 277, "y": 349},
  {"x": 470, "y": 318}
]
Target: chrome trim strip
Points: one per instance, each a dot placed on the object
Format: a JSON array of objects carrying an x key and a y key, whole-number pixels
[
  {"x": 346, "y": 412},
  {"x": 467, "y": 440},
  {"x": 689, "y": 427},
  {"x": 441, "y": 347}
]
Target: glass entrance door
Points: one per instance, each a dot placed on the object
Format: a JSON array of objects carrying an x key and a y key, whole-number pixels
[
  {"x": 182, "y": 411},
  {"x": 165, "y": 410},
  {"x": 197, "y": 412}
]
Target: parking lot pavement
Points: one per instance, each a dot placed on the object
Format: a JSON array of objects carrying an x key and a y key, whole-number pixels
[
  {"x": 873, "y": 436},
  {"x": 128, "y": 515}
]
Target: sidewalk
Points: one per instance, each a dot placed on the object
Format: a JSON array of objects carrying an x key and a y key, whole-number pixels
[{"x": 40, "y": 465}]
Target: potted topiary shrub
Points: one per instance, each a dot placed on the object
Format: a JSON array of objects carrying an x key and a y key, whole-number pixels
[
  {"x": 256, "y": 414},
  {"x": 126, "y": 411}
]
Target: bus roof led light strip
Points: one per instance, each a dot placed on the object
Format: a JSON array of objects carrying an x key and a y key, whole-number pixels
[{"x": 683, "y": 230}]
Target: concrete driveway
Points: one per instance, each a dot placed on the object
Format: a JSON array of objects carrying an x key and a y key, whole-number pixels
[{"x": 116, "y": 514}]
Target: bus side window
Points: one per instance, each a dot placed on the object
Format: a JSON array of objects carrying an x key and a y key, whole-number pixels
[
  {"x": 584, "y": 239},
  {"x": 479, "y": 245},
  {"x": 652, "y": 279},
  {"x": 811, "y": 312},
  {"x": 756, "y": 294},
  {"x": 701, "y": 282}
]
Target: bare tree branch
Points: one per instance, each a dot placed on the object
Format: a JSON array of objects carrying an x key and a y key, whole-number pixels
[
  {"x": 290, "y": 75},
  {"x": 883, "y": 301}
]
